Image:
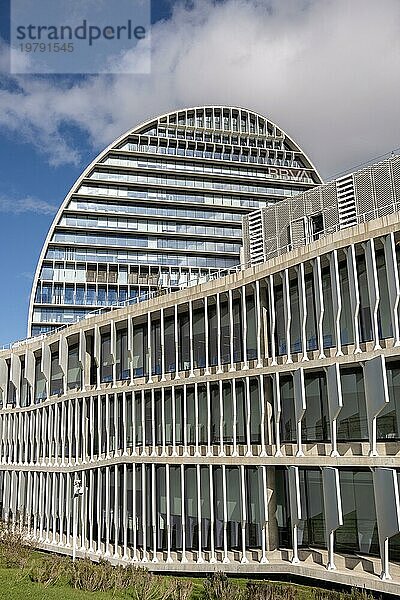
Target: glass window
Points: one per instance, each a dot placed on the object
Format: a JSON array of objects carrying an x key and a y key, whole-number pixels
[
  {"x": 388, "y": 421},
  {"x": 352, "y": 419},
  {"x": 359, "y": 530},
  {"x": 106, "y": 360},
  {"x": 40, "y": 382},
  {"x": 56, "y": 378},
  {"x": 315, "y": 422},
  {"x": 312, "y": 527},
  {"x": 288, "y": 420},
  {"x": 122, "y": 361}
]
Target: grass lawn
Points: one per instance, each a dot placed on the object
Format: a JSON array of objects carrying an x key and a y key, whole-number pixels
[
  {"x": 28, "y": 574},
  {"x": 15, "y": 584}
]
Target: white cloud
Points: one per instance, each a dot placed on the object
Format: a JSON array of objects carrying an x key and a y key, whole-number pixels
[
  {"x": 26, "y": 205},
  {"x": 326, "y": 71}
]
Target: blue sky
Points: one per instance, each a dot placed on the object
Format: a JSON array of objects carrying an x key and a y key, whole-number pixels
[{"x": 327, "y": 71}]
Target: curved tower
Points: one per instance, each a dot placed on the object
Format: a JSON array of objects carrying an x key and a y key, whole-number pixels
[{"x": 162, "y": 206}]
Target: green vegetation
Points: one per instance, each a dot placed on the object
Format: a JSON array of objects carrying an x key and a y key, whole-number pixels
[{"x": 31, "y": 575}]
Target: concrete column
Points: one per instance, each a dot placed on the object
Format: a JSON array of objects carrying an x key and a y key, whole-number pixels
[
  {"x": 162, "y": 335},
  {"x": 185, "y": 423},
  {"x": 262, "y": 424},
  {"x": 116, "y": 450},
  {"x": 130, "y": 349},
  {"x": 386, "y": 492},
  {"x": 272, "y": 314},
  {"x": 144, "y": 452},
  {"x": 99, "y": 425},
  {"x": 225, "y": 513},
  {"x": 212, "y": 517},
  {"x": 299, "y": 405},
  {"x": 232, "y": 368},
  {"x": 248, "y": 415},
  {"x": 84, "y": 360},
  {"x": 116, "y": 512},
  {"x": 63, "y": 359},
  {"x": 295, "y": 508},
  {"x": 153, "y": 424},
  {"x": 45, "y": 366},
  {"x": 108, "y": 455},
  {"x": 97, "y": 354},
  {"x": 209, "y": 450},
  {"x": 134, "y": 514},
  {"x": 183, "y": 559},
  {"x": 163, "y": 424},
  {"x": 392, "y": 277},
  {"x": 107, "y": 511},
  {"x": 234, "y": 400},
  {"x": 198, "y": 482},
  {"x": 221, "y": 419},
  {"x": 176, "y": 343},
  {"x": 259, "y": 324},
  {"x": 354, "y": 296},
  {"x": 168, "y": 511},
  {"x": 174, "y": 450},
  {"x": 207, "y": 349},
  {"x": 218, "y": 300},
  {"x": 276, "y": 392},
  {"x": 376, "y": 395},
  {"x": 287, "y": 313},
  {"x": 124, "y": 427},
  {"x": 190, "y": 308},
  {"x": 335, "y": 401},
  {"x": 319, "y": 304},
  {"x": 244, "y": 559},
  {"x": 149, "y": 348},
  {"x": 15, "y": 377},
  {"x": 197, "y": 424},
  {"x": 100, "y": 481},
  {"x": 373, "y": 288},
  {"x": 301, "y": 283},
  {"x": 336, "y": 299},
  {"x": 332, "y": 509},
  {"x": 245, "y": 362},
  {"x": 90, "y": 510}
]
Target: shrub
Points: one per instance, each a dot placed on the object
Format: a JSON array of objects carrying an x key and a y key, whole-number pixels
[
  {"x": 181, "y": 589},
  {"x": 354, "y": 594},
  {"x": 266, "y": 590},
  {"x": 51, "y": 570},
  {"x": 92, "y": 577},
  {"x": 150, "y": 587},
  {"x": 218, "y": 587},
  {"x": 14, "y": 547}
]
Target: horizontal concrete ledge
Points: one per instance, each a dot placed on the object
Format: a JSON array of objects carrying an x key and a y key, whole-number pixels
[
  {"x": 316, "y": 573},
  {"x": 273, "y": 461}
]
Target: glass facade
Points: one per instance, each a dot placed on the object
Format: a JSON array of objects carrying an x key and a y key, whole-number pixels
[{"x": 176, "y": 215}]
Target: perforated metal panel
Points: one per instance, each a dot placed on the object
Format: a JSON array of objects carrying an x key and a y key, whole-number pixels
[
  {"x": 370, "y": 193},
  {"x": 364, "y": 193},
  {"x": 383, "y": 188}
]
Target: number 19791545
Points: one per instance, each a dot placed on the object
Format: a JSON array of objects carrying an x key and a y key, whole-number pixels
[{"x": 46, "y": 47}]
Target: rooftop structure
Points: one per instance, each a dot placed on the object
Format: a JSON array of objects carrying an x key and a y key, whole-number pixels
[{"x": 367, "y": 194}]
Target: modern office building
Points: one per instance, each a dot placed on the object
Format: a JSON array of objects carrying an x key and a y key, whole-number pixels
[
  {"x": 249, "y": 423},
  {"x": 161, "y": 207}
]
